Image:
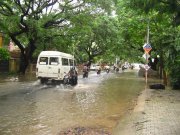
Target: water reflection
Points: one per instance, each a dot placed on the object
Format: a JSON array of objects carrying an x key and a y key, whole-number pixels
[
  {"x": 86, "y": 100},
  {"x": 98, "y": 101}
]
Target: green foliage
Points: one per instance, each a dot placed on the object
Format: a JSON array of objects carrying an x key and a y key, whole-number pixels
[
  {"x": 162, "y": 6},
  {"x": 4, "y": 54},
  {"x": 48, "y": 25},
  {"x": 164, "y": 18},
  {"x": 174, "y": 74},
  {"x": 95, "y": 35},
  {"x": 173, "y": 63}
]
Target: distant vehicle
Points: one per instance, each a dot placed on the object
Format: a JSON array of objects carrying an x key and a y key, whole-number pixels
[
  {"x": 99, "y": 71},
  {"x": 136, "y": 65},
  {"x": 54, "y": 65},
  {"x": 94, "y": 67},
  {"x": 107, "y": 68},
  {"x": 126, "y": 66}
]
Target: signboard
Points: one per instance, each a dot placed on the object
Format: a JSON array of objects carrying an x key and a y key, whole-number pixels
[
  {"x": 147, "y": 47},
  {"x": 146, "y": 56},
  {"x": 146, "y": 67}
]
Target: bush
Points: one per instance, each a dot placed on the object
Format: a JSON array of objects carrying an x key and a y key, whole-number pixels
[
  {"x": 4, "y": 54},
  {"x": 175, "y": 75}
]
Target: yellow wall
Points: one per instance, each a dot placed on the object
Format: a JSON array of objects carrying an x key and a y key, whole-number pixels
[{"x": 14, "y": 65}]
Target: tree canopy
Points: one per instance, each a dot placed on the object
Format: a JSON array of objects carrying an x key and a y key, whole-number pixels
[{"x": 45, "y": 24}]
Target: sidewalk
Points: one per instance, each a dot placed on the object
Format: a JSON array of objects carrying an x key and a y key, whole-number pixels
[{"x": 157, "y": 113}]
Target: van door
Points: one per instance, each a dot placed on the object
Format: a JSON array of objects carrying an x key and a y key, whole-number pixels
[
  {"x": 42, "y": 67},
  {"x": 65, "y": 66},
  {"x": 53, "y": 67}
]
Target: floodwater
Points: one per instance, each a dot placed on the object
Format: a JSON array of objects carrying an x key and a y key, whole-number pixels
[{"x": 99, "y": 101}]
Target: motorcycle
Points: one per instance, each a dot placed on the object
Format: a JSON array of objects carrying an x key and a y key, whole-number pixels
[
  {"x": 85, "y": 74},
  {"x": 99, "y": 71},
  {"x": 71, "y": 78},
  {"x": 117, "y": 69},
  {"x": 107, "y": 70},
  {"x": 66, "y": 80}
]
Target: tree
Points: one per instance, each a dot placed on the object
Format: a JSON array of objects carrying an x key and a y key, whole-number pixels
[
  {"x": 24, "y": 20},
  {"x": 162, "y": 6},
  {"x": 132, "y": 32},
  {"x": 166, "y": 41},
  {"x": 98, "y": 38},
  {"x": 29, "y": 22}
]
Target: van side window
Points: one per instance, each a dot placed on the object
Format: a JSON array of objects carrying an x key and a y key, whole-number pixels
[
  {"x": 53, "y": 61},
  {"x": 71, "y": 62},
  {"x": 65, "y": 62},
  {"x": 43, "y": 60}
]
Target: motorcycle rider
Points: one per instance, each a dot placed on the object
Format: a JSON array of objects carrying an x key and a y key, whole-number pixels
[
  {"x": 85, "y": 71},
  {"x": 73, "y": 76},
  {"x": 107, "y": 68},
  {"x": 99, "y": 70}
]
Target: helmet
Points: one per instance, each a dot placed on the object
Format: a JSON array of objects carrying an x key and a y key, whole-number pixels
[{"x": 72, "y": 68}]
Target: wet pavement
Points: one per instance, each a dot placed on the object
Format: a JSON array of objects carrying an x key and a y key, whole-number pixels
[
  {"x": 98, "y": 105},
  {"x": 157, "y": 113},
  {"x": 92, "y": 107}
]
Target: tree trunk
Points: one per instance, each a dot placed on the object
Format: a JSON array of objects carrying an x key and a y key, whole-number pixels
[
  {"x": 26, "y": 53},
  {"x": 23, "y": 64},
  {"x": 26, "y": 57},
  {"x": 161, "y": 66},
  {"x": 165, "y": 82},
  {"x": 90, "y": 59}
]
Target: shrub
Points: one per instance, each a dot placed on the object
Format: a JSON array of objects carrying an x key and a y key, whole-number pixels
[
  {"x": 175, "y": 74},
  {"x": 4, "y": 54}
]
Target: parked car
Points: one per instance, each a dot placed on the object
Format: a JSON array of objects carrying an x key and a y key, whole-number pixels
[
  {"x": 136, "y": 65},
  {"x": 106, "y": 67},
  {"x": 94, "y": 67}
]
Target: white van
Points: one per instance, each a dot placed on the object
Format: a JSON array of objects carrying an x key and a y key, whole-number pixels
[{"x": 53, "y": 65}]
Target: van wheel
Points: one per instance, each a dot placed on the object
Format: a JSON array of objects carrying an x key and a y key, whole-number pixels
[
  {"x": 43, "y": 80},
  {"x": 58, "y": 82}
]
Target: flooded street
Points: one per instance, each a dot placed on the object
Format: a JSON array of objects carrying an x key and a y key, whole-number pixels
[{"x": 29, "y": 108}]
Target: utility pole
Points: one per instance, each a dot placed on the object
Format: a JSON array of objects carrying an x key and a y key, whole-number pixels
[
  {"x": 147, "y": 53},
  {"x": 147, "y": 48},
  {"x": 148, "y": 32}
]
